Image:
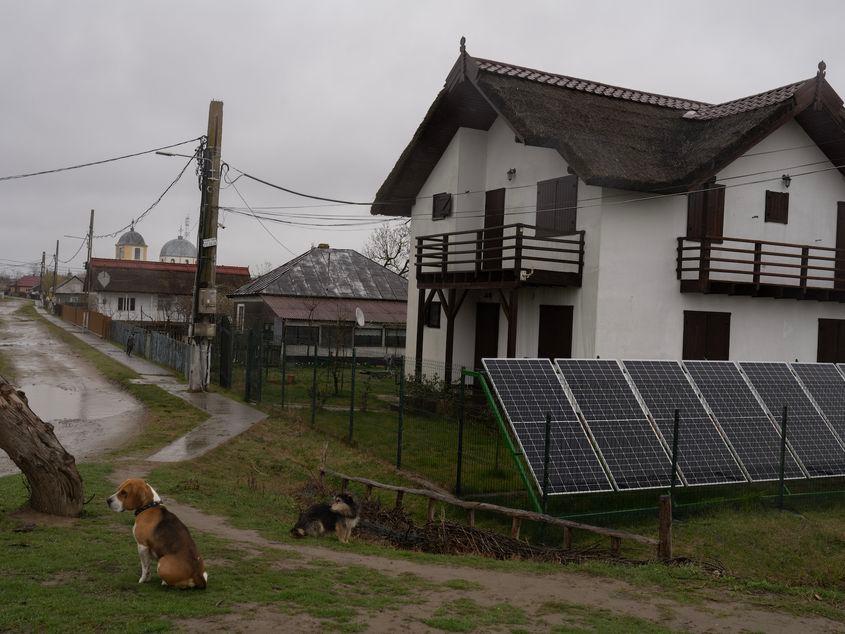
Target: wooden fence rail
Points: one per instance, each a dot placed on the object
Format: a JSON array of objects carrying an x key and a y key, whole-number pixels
[{"x": 663, "y": 544}]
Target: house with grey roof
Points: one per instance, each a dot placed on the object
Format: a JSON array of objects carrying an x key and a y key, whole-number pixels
[
  {"x": 553, "y": 216},
  {"x": 317, "y": 299}
]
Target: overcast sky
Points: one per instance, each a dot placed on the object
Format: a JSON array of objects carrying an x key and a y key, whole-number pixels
[{"x": 320, "y": 96}]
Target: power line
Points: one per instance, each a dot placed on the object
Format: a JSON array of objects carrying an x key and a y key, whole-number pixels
[
  {"x": 270, "y": 233},
  {"x": 81, "y": 244},
  {"x": 155, "y": 202},
  {"x": 108, "y": 160}
]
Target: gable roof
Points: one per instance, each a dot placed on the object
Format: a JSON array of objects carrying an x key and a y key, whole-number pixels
[
  {"x": 27, "y": 280},
  {"x": 322, "y": 272},
  {"x": 165, "y": 278},
  {"x": 610, "y": 136},
  {"x": 68, "y": 281}
]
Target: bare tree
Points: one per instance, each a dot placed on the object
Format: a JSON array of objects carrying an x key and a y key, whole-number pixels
[
  {"x": 390, "y": 245},
  {"x": 257, "y": 270}
]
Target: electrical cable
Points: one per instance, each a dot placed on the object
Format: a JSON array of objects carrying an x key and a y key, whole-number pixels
[
  {"x": 109, "y": 160},
  {"x": 82, "y": 244},
  {"x": 270, "y": 233}
]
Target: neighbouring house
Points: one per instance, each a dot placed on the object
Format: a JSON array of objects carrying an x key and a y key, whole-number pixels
[
  {"x": 559, "y": 217},
  {"x": 136, "y": 290},
  {"x": 23, "y": 286},
  {"x": 70, "y": 292},
  {"x": 312, "y": 300}
]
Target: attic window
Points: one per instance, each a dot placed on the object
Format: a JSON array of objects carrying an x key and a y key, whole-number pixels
[
  {"x": 441, "y": 206},
  {"x": 777, "y": 207}
]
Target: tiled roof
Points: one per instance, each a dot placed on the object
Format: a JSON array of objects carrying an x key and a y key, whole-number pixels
[
  {"x": 746, "y": 104},
  {"x": 175, "y": 267},
  {"x": 164, "y": 278},
  {"x": 585, "y": 85},
  {"x": 28, "y": 280}
]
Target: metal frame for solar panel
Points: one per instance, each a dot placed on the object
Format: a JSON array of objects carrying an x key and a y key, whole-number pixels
[
  {"x": 703, "y": 423},
  {"x": 540, "y": 421},
  {"x": 758, "y": 416},
  {"x": 808, "y": 434},
  {"x": 661, "y": 457},
  {"x": 833, "y": 412}
]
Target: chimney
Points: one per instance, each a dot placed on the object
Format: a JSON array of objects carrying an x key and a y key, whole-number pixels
[{"x": 323, "y": 245}]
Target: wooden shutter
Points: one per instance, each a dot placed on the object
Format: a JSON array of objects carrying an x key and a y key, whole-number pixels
[
  {"x": 546, "y": 197},
  {"x": 695, "y": 333},
  {"x": 566, "y": 201},
  {"x": 554, "y": 337},
  {"x": 696, "y": 205},
  {"x": 828, "y": 344},
  {"x": 441, "y": 206},
  {"x": 839, "y": 284},
  {"x": 715, "y": 211},
  {"x": 777, "y": 207},
  {"x": 718, "y": 338}
]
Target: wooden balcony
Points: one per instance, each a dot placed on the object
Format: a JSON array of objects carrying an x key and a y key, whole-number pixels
[
  {"x": 758, "y": 268},
  {"x": 509, "y": 256}
]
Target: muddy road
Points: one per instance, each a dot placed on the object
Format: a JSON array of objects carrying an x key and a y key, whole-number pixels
[{"x": 90, "y": 415}]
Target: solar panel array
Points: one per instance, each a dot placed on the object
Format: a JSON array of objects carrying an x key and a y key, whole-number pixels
[
  {"x": 744, "y": 422},
  {"x": 631, "y": 449},
  {"x": 816, "y": 446},
  {"x": 529, "y": 389},
  {"x": 827, "y": 387},
  {"x": 703, "y": 455}
]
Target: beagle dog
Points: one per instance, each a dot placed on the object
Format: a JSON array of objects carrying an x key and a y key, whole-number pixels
[{"x": 160, "y": 535}]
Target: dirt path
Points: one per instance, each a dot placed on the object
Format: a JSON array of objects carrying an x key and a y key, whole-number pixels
[
  {"x": 91, "y": 416},
  {"x": 528, "y": 591}
]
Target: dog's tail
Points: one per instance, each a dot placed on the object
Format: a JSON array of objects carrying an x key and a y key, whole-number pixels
[{"x": 200, "y": 578}]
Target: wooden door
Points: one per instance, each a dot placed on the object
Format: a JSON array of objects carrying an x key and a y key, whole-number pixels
[
  {"x": 494, "y": 218},
  {"x": 486, "y": 332},
  {"x": 554, "y": 338},
  {"x": 840, "y": 244}
]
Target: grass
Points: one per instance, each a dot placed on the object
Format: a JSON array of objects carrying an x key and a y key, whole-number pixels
[
  {"x": 465, "y": 615},
  {"x": 578, "y": 618}
]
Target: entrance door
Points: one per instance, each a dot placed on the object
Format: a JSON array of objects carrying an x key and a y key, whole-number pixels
[
  {"x": 840, "y": 244},
  {"x": 486, "y": 332},
  {"x": 554, "y": 339},
  {"x": 494, "y": 218}
]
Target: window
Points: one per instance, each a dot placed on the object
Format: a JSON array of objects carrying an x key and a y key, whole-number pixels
[
  {"x": 137, "y": 253},
  {"x": 777, "y": 207},
  {"x": 368, "y": 337},
  {"x": 301, "y": 335},
  {"x": 706, "y": 212},
  {"x": 126, "y": 303},
  {"x": 394, "y": 337},
  {"x": 706, "y": 335},
  {"x": 831, "y": 341},
  {"x": 441, "y": 206},
  {"x": 240, "y": 314},
  {"x": 432, "y": 315},
  {"x": 557, "y": 202},
  {"x": 336, "y": 336}
]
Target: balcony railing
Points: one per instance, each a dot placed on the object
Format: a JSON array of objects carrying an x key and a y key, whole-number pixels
[
  {"x": 740, "y": 266},
  {"x": 497, "y": 257}
]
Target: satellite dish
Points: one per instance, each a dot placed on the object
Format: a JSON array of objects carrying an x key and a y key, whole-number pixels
[{"x": 359, "y": 317}]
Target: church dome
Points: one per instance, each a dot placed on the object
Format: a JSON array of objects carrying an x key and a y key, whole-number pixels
[
  {"x": 178, "y": 248},
  {"x": 131, "y": 239}
]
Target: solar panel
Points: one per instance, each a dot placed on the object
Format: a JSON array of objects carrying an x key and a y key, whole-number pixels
[
  {"x": 703, "y": 455},
  {"x": 744, "y": 422},
  {"x": 630, "y": 447},
  {"x": 528, "y": 390},
  {"x": 827, "y": 387},
  {"x": 812, "y": 440}
]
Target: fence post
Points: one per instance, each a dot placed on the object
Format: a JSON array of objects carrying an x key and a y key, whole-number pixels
[
  {"x": 675, "y": 453},
  {"x": 314, "y": 388},
  {"x": 461, "y": 404},
  {"x": 664, "y": 542},
  {"x": 546, "y": 463},
  {"x": 259, "y": 363},
  {"x": 283, "y": 365},
  {"x": 401, "y": 414},
  {"x": 782, "y": 455},
  {"x": 248, "y": 370},
  {"x": 352, "y": 398}
]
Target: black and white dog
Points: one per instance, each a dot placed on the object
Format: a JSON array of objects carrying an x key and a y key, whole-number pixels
[{"x": 341, "y": 516}]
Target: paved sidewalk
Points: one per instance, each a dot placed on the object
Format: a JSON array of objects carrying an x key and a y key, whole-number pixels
[{"x": 227, "y": 418}]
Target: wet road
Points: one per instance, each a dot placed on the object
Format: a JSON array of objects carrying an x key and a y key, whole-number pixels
[{"x": 90, "y": 415}]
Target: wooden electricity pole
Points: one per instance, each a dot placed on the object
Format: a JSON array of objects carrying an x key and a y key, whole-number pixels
[
  {"x": 55, "y": 272},
  {"x": 87, "y": 286},
  {"x": 205, "y": 288},
  {"x": 41, "y": 278}
]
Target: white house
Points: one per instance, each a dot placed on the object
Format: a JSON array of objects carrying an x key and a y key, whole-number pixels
[
  {"x": 553, "y": 216},
  {"x": 70, "y": 291}
]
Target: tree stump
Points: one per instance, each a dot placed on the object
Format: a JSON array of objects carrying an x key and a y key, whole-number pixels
[{"x": 54, "y": 483}]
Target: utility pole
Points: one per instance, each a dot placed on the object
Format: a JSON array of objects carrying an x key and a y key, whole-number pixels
[
  {"x": 41, "y": 277},
  {"x": 87, "y": 286},
  {"x": 55, "y": 272},
  {"x": 205, "y": 288}
]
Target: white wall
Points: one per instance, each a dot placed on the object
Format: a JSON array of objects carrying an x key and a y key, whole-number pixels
[
  {"x": 146, "y": 307},
  {"x": 640, "y": 312}
]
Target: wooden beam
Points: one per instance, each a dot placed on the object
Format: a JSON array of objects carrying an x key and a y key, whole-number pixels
[
  {"x": 664, "y": 542},
  {"x": 515, "y": 524},
  {"x": 471, "y": 518},
  {"x": 567, "y": 538},
  {"x": 512, "y": 322},
  {"x": 450, "y": 337},
  {"x": 421, "y": 305},
  {"x": 432, "y": 503}
]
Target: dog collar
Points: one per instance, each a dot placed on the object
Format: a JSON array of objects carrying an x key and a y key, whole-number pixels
[{"x": 151, "y": 505}]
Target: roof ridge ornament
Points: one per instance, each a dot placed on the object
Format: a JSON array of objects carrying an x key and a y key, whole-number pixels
[
  {"x": 817, "y": 100},
  {"x": 464, "y": 54}
]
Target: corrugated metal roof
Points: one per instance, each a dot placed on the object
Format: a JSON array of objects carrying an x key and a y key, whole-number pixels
[
  {"x": 320, "y": 272},
  {"x": 337, "y": 309}
]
